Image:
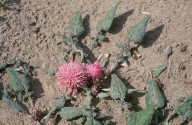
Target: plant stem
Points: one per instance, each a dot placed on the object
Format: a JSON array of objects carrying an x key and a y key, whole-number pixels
[{"x": 116, "y": 61}]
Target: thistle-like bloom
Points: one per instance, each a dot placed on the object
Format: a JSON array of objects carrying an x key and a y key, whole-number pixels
[
  {"x": 71, "y": 76},
  {"x": 94, "y": 70}
]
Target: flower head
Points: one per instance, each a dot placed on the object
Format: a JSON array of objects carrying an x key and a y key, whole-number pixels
[
  {"x": 94, "y": 70},
  {"x": 71, "y": 76}
]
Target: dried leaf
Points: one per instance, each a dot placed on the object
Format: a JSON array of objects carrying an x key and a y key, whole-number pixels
[
  {"x": 68, "y": 113},
  {"x": 106, "y": 22},
  {"x": 16, "y": 107},
  {"x": 102, "y": 95},
  {"x": 137, "y": 32},
  {"x": 19, "y": 82},
  {"x": 118, "y": 90},
  {"x": 158, "y": 70},
  {"x": 75, "y": 26},
  {"x": 153, "y": 95},
  {"x": 143, "y": 117},
  {"x": 167, "y": 51}
]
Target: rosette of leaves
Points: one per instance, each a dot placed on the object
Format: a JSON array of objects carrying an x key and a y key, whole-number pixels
[
  {"x": 104, "y": 25},
  {"x": 153, "y": 95},
  {"x": 137, "y": 32},
  {"x": 143, "y": 117}
]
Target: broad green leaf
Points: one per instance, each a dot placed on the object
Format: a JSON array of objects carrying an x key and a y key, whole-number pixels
[
  {"x": 102, "y": 95},
  {"x": 2, "y": 66},
  {"x": 68, "y": 113},
  {"x": 100, "y": 116},
  {"x": 18, "y": 81},
  {"x": 75, "y": 26},
  {"x": 29, "y": 94},
  {"x": 158, "y": 70},
  {"x": 100, "y": 37},
  {"x": 91, "y": 121},
  {"x": 137, "y": 32},
  {"x": 118, "y": 90},
  {"x": 143, "y": 117},
  {"x": 153, "y": 95},
  {"x": 185, "y": 109},
  {"x": 16, "y": 107},
  {"x": 106, "y": 22},
  {"x": 57, "y": 105},
  {"x": 127, "y": 51}
]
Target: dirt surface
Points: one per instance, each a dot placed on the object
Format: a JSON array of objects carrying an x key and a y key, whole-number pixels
[{"x": 27, "y": 29}]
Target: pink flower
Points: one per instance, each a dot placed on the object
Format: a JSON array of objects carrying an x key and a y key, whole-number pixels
[
  {"x": 71, "y": 76},
  {"x": 94, "y": 70}
]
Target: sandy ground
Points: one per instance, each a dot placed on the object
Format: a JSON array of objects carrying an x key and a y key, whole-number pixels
[{"x": 27, "y": 29}]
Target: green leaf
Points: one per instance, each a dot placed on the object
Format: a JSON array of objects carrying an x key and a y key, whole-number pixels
[
  {"x": 127, "y": 51},
  {"x": 102, "y": 95},
  {"x": 16, "y": 107},
  {"x": 137, "y": 32},
  {"x": 100, "y": 37},
  {"x": 143, "y": 117},
  {"x": 106, "y": 22},
  {"x": 119, "y": 45},
  {"x": 118, "y": 88},
  {"x": 158, "y": 70},
  {"x": 29, "y": 94},
  {"x": 57, "y": 105},
  {"x": 75, "y": 26},
  {"x": 153, "y": 95},
  {"x": 19, "y": 82},
  {"x": 2, "y": 66},
  {"x": 104, "y": 62},
  {"x": 185, "y": 109},
  {"x": 91, "y": 121},
  {"x": 68, "y": 113},
  {"x": 100, "y": 116}
]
